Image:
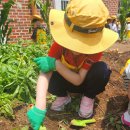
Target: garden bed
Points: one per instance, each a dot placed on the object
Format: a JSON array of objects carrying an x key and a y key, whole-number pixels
[{"x": 109, "y": 105}]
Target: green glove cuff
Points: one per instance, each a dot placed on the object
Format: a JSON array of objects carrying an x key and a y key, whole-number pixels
[
  {"x": 46, "y": 64},
  {"x": 43, "y": 112},
  {"x": 52, "y": 64}
]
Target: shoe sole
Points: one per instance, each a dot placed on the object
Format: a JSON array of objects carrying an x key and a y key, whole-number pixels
[{"x": 86, "y": 117}]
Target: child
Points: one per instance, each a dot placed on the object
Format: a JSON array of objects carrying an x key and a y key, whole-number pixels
[
  {"x": 119, "y": 27},
  {"x": 126, "y": 76},
  {"x": 113, "y": 24},
  {"x": 39, "y": 34},
  {"x": 107, "y": 23},
  {"x": 73, "y": 62},
  {"x": 128, "y": 27}
]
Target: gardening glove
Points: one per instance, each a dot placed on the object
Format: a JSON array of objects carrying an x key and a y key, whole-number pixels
[
  {"x": 45, "y": 64},
  {"x": 36, "y": 117}
]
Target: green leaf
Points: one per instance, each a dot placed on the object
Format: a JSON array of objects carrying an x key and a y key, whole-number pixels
[
  {"x": 42, "y": 128},
  {"x": 25, "y": 128},
  {"x": 118, "y": 127},
  {"x": 112, "y": 120},
  {"x": 33, "y": 80}
]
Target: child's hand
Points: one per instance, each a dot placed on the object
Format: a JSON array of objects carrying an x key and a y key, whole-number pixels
[
  {"x": 45, "y": 64},
  {"x": 36, "y": 117}
]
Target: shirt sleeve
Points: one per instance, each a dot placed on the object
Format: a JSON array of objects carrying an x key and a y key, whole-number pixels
[
  {"x": 91, "y": 60},
  {"x": 55, "y": 51}
]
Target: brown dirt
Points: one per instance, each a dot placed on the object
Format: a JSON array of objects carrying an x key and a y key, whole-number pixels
[{"x": 109, "y": 105}]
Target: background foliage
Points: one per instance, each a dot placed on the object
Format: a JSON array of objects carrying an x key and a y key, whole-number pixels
[
  {"x": 123, "y": 11},
  {"x": 5, "y": 30}
]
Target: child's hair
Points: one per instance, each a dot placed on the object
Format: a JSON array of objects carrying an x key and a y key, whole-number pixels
[{"x": 34, "y": 20}]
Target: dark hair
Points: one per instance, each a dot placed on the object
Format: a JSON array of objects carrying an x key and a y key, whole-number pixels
[{"x": 34, "y": 20}]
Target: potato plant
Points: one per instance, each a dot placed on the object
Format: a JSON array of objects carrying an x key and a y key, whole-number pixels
[
  {"x": 6, "y": 105},
  {"x": 18, "y": 71}
]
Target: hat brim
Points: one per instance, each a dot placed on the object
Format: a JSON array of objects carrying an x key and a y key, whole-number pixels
[
  {"x": 77, "y": 41},
  {"x": 128, "y": 20},
  {"x": 37, "y": 17}
]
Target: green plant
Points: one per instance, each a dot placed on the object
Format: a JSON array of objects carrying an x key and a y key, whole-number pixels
[
  {"x": 123, "y": 11},
  {"x": 18, "y": 71},
  {"x": 114, "y": 121},
  {"x": 74, "y": 105},
  {"x": 5, "y": 30},
  {"x": 6, "y": 105}
]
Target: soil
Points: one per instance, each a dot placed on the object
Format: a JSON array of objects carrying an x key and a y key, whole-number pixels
[{"x": 108, "y": 107}]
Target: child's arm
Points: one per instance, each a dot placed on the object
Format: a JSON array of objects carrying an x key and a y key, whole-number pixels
[
  {"x": 41, "y": 90},
  {"x": 37, "y": 114},
  {"x": 48, "y": 64},
  {"x": 73, "y": 77}
]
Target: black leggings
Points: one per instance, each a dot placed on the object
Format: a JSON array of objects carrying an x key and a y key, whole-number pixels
[{"x": 94, "y": 83}]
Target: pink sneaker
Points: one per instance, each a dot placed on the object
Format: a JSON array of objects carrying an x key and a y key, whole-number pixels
[
  {"x": 60, "y": 102},
  {"x": 125, "y": 118},
  {"x": 86, "y": 107}
]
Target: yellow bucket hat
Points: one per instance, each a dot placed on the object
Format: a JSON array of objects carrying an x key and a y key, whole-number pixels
[
  {"x": 81, "y": 27},
  {"x": 37, "y": 17},
  {"x": 128, "y": 19}
]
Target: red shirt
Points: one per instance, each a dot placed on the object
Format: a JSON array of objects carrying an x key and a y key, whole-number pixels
[{"x": 57, "y": 51}]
